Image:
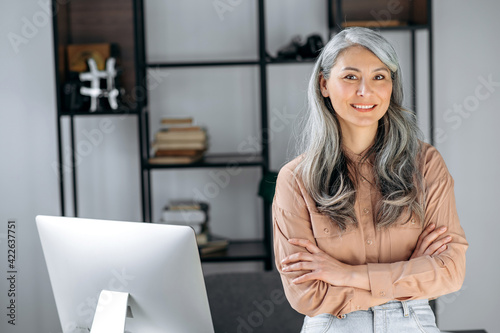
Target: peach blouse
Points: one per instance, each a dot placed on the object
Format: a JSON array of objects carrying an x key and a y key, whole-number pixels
[{"x": 385, "y": 251}]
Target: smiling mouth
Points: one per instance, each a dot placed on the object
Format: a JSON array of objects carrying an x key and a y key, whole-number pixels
[{"x": 364, "y": 107}]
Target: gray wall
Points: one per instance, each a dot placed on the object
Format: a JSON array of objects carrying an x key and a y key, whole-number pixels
[
  {"x": 465, "y": 56},
  {"x": 466, "y": 49}
]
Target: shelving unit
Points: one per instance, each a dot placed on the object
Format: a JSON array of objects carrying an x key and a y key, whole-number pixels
[
  {"x": 93, "y": 21},
  {"x": 255, "y": 250},
  {"x": 123, "y": 22}
]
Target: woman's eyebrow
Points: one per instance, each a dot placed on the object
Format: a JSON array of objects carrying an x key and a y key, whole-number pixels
[{"x": 357, "y": 70}]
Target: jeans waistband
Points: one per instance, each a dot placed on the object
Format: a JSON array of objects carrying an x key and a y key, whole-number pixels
[{"x": 399, "y": 304}]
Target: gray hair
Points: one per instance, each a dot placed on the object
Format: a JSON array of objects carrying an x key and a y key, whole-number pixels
[{"x": 324, "y": 167}]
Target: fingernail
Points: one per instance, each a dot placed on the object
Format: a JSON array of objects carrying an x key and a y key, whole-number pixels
[
  {"x": 442, "y": 228},
  {"x": 432, "y": 225},
  {"x": 448, "y": 238}
]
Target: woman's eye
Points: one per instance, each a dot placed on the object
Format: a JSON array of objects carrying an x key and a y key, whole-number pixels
[
  {"x": 379, "y": 77},
  {"x": 350, "y": 77}
]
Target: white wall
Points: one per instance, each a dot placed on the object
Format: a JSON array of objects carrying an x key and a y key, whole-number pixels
[
  {"x": 109, "y": 186},
  {"x": 466, "y": 52},
  {"x": 27, "y": 148}
]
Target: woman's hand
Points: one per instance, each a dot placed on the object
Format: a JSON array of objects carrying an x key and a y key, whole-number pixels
[
  {"x": 429, "y": 242},
  {"x": 320, "y": 265}
]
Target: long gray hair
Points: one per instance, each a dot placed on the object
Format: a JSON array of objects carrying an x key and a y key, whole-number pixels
[{"x": 324, "y": 168}]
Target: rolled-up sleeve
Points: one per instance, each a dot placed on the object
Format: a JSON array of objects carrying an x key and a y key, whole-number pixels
[
  {"x": 428, "y": 276},
  {"x": 291, "y": 219}
]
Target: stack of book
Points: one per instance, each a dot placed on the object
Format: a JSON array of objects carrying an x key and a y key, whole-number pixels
[
  {"x": 185, "y": 212},
  {"x": 178, "y": 141},
  {"x": 194, "y": 214}
]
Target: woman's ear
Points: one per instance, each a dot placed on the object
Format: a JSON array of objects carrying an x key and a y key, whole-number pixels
[{"x": 322, "y": 85}]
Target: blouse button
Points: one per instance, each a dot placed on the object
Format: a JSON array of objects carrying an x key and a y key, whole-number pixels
[
  {"x": 412, "y": 221},
  {"x": 369, "y": 242},
  {"x": 358, "y": 307},
  {"x": 326, "y": 230},
  {"x": 382, "y": 293},
  {"x": 366, "y": 210}
]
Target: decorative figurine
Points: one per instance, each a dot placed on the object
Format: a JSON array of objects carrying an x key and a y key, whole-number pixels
[{"x": 95, "y": 91}]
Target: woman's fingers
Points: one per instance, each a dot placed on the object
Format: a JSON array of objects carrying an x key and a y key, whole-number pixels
[
  {"x": 437, "y": 246},
  {"x": 424, "y": 234},
  {"x": 305, "y": 243},
  {"x": 299, "y": 266},
  {"x": 430, "y": 238},
  {"x": 300, "y": 261},
  {"x": 429, "y": 241},
  {"x": 297, "y": 257},
  {"x": 440, "y": 250}
]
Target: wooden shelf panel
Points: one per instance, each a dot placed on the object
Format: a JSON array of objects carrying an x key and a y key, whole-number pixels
[
  {"x": 217, "y": 160},
  {"x": 204, "y": 63},
  {"x": 239, "y": 251},
  {"x": 290, "y": 61},
  {"x": 402, "y": 27},
  {"x": 411, "y": 12}
]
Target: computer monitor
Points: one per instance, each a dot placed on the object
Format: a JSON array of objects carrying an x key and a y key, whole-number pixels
[{"x": 157, "y": 265}]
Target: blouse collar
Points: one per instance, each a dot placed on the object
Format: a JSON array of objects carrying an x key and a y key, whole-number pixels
[{"x": 358, "y": 158}]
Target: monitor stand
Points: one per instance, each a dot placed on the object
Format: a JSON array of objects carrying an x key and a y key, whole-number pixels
[{"x": 110, "y": 312}]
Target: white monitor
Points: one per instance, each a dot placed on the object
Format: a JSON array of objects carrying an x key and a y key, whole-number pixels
[{"x": 157, "y": 265}]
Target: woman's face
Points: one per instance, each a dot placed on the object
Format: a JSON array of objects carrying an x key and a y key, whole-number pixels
[{"x": 359, "y": 88}]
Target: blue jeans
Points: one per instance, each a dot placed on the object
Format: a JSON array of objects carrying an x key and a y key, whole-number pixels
[{"x": 391, "y": 317}]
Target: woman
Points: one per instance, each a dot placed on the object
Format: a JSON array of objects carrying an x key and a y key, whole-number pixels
[{"x": 365, "y": 224}]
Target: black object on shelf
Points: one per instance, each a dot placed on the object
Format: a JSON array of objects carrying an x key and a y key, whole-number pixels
[{"x": 297, "y": 49}]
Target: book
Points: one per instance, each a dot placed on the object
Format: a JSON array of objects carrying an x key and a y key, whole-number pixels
[
  {"x": 213, "y": 247},
  {"x": 178, "y": 152},
  {"x": 183, "y": 128},
  {"x": 175, "y": 159},
  {"x": 187, "y": 204},
  {"x": 177, "y": 135},
  {"x": 179, "y": 145},
  {"x": 208, "y": 243},
  {"x": 187, "y": 212},
  {"x": 177, "y": 120},
  {"x": 183, "y": 216}
]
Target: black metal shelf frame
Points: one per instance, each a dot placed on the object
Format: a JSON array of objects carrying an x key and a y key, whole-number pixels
[{"x": 262, "y": 250}]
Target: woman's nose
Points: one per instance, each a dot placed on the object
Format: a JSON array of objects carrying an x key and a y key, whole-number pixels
[{"x": 364, "y": 88}]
